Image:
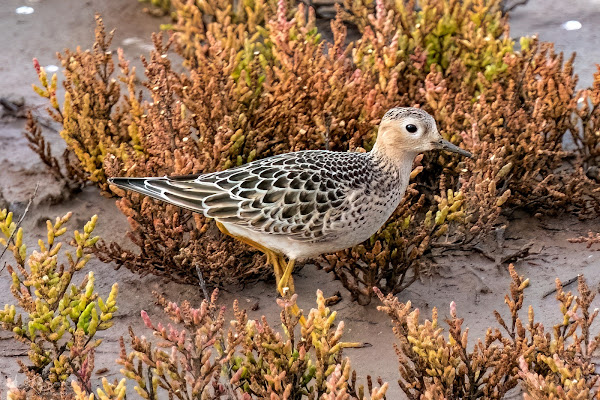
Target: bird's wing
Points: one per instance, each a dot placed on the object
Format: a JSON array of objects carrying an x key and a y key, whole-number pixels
[{"x": 301, "y": 195}]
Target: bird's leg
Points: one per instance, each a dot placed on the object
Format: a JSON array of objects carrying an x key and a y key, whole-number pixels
[
  {"x": 278, "y": 263},
  {"x": 272, "y": 257},
  {"x": 281, "y": 263},
  {"x": 283, "y": 277},
  {"x": 286, "y": 280},
  {"x": 285, "y": 286}
]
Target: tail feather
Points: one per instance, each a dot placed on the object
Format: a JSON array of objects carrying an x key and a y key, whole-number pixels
[
  {"x": 137, "y": 185},
  {"x": 159, "y": 188}
]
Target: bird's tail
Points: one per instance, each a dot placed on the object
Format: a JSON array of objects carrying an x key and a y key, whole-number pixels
[{"x": 165, "y": 189}]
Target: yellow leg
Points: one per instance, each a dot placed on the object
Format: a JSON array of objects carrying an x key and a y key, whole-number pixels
[
  {"x": 287, "y": 273},
  {"x": 289, "y": 285},
  {"x": 272, "y": 257},
  {"x": 278, "y": 263}
]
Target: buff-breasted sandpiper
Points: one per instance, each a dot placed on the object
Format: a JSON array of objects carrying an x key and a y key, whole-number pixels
[{"x": 303, "y": 204}]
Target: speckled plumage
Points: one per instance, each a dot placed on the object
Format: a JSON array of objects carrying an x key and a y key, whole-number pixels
[
  {"x": 302, "y": 204},
  {"x": 308, "y": 203}
]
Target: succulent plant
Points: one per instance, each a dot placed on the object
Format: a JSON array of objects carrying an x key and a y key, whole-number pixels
[{"x": 55, "y": 317}]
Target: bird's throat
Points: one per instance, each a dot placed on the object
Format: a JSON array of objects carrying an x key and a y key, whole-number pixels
[{"x": 394, "y": 162}]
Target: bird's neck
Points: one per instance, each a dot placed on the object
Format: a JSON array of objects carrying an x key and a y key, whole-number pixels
[
  {"x": 393, "y": 177},
  {"x": 393, "y": 161}
]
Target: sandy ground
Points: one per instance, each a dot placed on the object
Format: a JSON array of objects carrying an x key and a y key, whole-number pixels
[{"x": 57, "y": 24}]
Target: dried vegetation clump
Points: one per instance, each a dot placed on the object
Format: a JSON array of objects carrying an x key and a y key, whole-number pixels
[
  {"x": 591, "y": 239},
  {"x": 259, "y": 80},
  {"x": 550, "y": 364},
  {"x": 565, "y": 366},
  {"x": 201, "y": 357}
]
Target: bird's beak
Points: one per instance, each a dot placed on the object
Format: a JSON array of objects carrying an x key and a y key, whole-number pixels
[{"x": 446, "y": 145}]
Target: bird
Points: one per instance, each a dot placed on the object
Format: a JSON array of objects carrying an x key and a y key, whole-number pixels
[{"x": 302, "y": 204}]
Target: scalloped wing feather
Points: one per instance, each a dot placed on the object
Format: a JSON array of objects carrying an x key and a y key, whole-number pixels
[{"x": 300, "y": 195}]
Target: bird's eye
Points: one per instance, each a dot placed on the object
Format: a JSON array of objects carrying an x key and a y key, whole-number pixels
[{"x": 411, "y": 128}]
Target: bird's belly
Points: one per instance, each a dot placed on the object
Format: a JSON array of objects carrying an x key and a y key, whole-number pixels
[{"x": 293, "y": 249}]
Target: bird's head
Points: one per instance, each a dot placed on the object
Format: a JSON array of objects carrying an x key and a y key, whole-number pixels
[{"x": 411, "y": 131}]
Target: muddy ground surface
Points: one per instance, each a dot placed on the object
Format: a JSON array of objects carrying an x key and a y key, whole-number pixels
[{"x": 474, "y": 282}]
